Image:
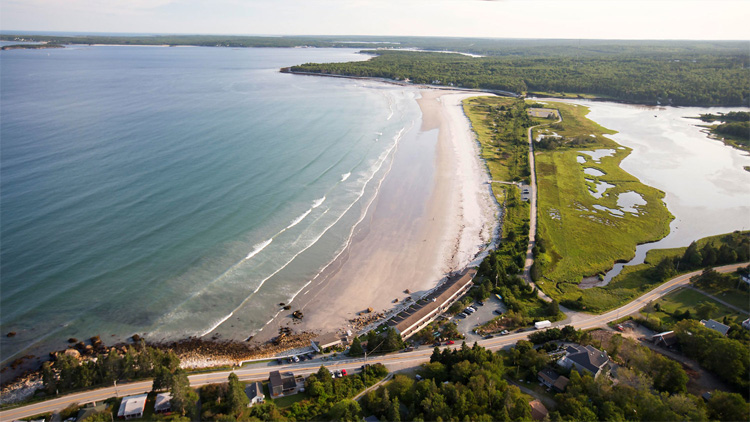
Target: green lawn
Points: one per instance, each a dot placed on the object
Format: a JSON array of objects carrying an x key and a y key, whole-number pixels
[
  {"x": 738, "y": 298},
  {"x": 687, "y": 300},
  {"x": 581, "y": 240}
]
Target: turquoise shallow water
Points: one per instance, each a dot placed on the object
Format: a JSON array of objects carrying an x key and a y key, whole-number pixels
[{"x": 158, "y": 189}]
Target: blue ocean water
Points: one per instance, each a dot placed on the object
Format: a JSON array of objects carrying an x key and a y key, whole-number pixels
[{"x": 158, "y": 190}]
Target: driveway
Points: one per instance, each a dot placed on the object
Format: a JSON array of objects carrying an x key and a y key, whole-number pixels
[{"x": 482, "y": 315}]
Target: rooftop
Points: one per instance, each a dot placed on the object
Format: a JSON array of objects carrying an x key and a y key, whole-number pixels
[
  {"x": 132, "y": 405},
  {"x": 716, "y": 325},
  {"x": 432, "y": 301},
  {"x": 588, "y": 357}
]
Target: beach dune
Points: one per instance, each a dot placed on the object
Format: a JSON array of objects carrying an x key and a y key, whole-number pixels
[{"x": 434, "y": 214}]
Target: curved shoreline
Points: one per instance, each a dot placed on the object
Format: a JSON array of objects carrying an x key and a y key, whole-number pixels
[{"x": 403, "y": 245}]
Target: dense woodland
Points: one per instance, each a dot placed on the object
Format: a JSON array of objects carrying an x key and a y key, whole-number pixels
[
  {"x": 689, "y": 80},
  {"x": 677, "y": 72}
]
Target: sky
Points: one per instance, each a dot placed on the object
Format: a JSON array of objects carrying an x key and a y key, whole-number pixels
[{"x": 574, "y": 19}]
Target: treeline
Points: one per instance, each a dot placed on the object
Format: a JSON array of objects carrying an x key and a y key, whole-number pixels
[
  {"x": 68, "y": 373},
  {"x": 704, "y": 80},
  {"x": 480, "y": 46},
  {"x": 459, "y": 384},
  {"x": 732, "y": 116},
  {"x": 729, "y": 249}
]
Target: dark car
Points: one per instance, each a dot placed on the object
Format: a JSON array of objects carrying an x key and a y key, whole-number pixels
[
  {"x": 498, "y": 311},
  {"x": 488, "y": 336},
  {"x": 436, "y": 344},
  {"x": 279, "y": 361},
  {"x": 480, "y": 303}
]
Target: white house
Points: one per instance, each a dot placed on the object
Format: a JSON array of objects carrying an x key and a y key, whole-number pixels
[
  {"x": 132, "y": 407},
  {"x": 254, "y": 392}
]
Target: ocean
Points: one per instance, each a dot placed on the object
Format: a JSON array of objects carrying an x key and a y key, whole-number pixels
[{"x": 158, "y": 190}]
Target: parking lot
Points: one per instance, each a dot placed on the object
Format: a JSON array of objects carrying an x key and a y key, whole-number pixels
[{"x": 482, "y": 315}]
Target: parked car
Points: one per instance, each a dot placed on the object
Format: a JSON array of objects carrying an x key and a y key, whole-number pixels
[
  {"x": 480, "y": 303},
  {"x": 295, "y": 358},
  {"x": 489, "y": 336},
  {"x": 498, "y": 311},
  {"x": 280, "y": 361},
  {"x": 338, "y": 374},
  {"x": 436, "y": 344},
  {"x": 343, "y": 372},
  {"x": 449, "y": 342},
  {"x": 504, "y": 332},
  {"x": 302, "y": 358},
  {"x": 473, "y": 308}
]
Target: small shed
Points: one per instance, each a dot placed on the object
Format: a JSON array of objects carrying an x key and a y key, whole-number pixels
[
  {"x": 132, "y": 407},
  {"x": 163, "y": 403}
]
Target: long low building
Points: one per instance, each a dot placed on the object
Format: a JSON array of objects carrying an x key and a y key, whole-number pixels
[{"x": 419, "y": 315}]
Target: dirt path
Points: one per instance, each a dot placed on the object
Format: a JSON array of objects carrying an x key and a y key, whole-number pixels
[{"x": 728, "y": 305}]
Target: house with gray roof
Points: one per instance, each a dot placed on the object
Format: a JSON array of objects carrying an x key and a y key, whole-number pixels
[
  {"x": 716, "y": 326},
  {"x": 281, "y": 384},
  {"x": 585, "y": 358},
  {"x": 254, "y": 392}
]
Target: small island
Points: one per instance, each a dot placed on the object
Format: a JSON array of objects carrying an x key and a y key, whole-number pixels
[
  {"x": 732, "y": 128},
  {"x": 30, "y": 46}
]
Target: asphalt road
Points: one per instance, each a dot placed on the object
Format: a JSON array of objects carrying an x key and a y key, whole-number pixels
[{"x": 393, "y": 362}]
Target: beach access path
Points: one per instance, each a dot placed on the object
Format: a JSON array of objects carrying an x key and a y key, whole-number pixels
[
  {"x": 393, "y": 362},
  {"x": 533, "y": 212}
]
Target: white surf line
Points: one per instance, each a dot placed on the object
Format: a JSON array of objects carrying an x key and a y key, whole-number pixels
[
  {"x": 345, "y": 176},
  {"x": 361, "y": 193},
  {"x": 354, "y": 227}
]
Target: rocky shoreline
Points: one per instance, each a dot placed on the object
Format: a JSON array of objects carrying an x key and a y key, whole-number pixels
[{"x": 23, "y": 377}]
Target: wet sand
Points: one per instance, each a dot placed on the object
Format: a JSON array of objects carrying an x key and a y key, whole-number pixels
[{"x": 433, "y": 215}]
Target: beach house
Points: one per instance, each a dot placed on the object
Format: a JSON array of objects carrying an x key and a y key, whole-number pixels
[
  {"x": 132, "y": 407},
  {"x": 281, "y": 384},
  {"x": 254, "y": 392}
]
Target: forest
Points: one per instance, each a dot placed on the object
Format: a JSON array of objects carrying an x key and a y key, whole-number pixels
[{"x": 703, "y": 80}]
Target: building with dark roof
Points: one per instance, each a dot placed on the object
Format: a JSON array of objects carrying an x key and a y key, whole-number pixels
[
  {"x": 419, "y": 315},
  {"x": 716, "y": 326},
  {"x": 281, "y": 384},
  {"x": 551, "y": 379},
  {"x": 586, "y": 358}
]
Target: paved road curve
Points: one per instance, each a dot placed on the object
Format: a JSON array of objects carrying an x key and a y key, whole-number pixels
[{"x": 393, "y": 362}]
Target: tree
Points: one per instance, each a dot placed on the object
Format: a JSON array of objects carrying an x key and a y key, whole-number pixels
[
  {"x": 236, "y": 397},
  {"x": 705, "y": 310},
  {"x": 183, "y": 397},
  {"x": 345, "y": 410},
  {"x": 725, "y": 406},
  {"x": 356, "y": 348},
  {"x": 692, "y": 256},
  {"x": 162, "y": 379}
]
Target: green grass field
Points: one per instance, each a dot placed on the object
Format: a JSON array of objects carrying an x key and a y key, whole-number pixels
[
  {"x": 686, "y": 300},
  {"x": 580, "y": 239}
]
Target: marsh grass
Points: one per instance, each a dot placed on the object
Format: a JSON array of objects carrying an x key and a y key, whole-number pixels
[{"x": 581, "y": 240}]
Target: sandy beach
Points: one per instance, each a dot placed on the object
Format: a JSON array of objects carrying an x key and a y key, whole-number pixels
[{"x": 433, "y": 215}]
